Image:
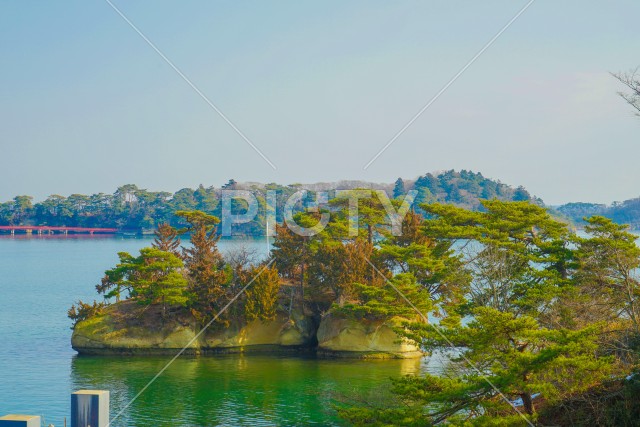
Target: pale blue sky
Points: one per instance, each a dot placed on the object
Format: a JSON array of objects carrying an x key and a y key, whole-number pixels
[{"x": 320, "y": 87}]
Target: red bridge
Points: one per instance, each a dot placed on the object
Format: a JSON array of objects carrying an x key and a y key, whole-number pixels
[{"x": 45, "y": 229}]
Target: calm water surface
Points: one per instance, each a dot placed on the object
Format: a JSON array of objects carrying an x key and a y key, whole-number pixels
[{"x": 41, "y": 277}]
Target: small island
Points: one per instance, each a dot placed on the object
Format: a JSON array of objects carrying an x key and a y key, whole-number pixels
[{"x": 307, "y": 297}]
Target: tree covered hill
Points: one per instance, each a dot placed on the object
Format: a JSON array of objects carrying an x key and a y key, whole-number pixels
[
  {"x": 136, "y": 209},
  {"x": 466, "y": 189}
]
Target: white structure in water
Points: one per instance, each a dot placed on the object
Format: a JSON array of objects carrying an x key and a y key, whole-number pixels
[
  {"x": 89, "y": 408},
  {"x": 14, "y": 420}
]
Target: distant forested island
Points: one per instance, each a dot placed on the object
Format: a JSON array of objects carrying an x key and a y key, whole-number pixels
[
  {"x": 134, "y": 209},
  {"x": 137, "y": 210},
  {"x": 626, "y": 212}
]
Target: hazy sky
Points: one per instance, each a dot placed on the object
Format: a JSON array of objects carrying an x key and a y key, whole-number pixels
[{"x": 86, "y": 105}]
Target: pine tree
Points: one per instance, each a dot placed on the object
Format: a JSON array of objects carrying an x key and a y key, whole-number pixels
[
  {"x": 153, "y": 277},
  {"x": 398, "y": 188},
  {"x": 432, "y": 263},
  {"x": 261, "y": 298},
  {"x": 292, "y": 253},
  {"x": 159, "y": 279},
  {"x": 119, "y": 279},
  {"x": 166, "y": 239},
  {"x": 521, "y": 266},
  {"x": 372, "y": 218},
  {"x": 205, "y": 265},
  {"x": 525, "y": 361},
  {"x": 608, "y": 282}
]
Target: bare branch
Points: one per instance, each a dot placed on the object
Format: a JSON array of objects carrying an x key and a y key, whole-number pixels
[{"x": 631, "y": 80}]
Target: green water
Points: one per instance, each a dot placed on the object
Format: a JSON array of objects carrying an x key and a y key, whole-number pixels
[
  {"x": 41, "y": 277},
  {"x": 236, "y": 390}
]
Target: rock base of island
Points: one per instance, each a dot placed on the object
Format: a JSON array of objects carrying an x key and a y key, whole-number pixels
[
  {"x": 340, "y": 336},
  {"x": 119, "y": 332}
]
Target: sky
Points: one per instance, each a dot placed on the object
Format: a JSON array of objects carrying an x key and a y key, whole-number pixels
[{"x": 86, "y": 105}]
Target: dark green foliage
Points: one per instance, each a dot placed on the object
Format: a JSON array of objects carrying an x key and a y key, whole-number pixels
[
  {"x": 541, "y": 317},
  {"x": 383, "y": 301},
  {"x": 230, "y": 185},
  {"x": 431, "y": 263},
  {"x": 371, "y": 220},
  {"x": 398, "y": 188},
  {"x": 607, "y": 279},
  {"x": 17, "y": 211},
  {"x": 136, "y": 209},
  {"x": 152, "y": 277},
  {"x": 198, "y": 278},
  {"x": 525, "y": 310},
  {"x": 117, "y": 280},
  {"x": 466, "y": 189},
  {"x": 519, "y": 357}
]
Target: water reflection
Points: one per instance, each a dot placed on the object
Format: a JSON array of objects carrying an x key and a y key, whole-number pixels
[{"x": 236, "y": 390}]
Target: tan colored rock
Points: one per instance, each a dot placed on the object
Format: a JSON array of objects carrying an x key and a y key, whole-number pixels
[
  {"x": 101, "y": 335},
  {"x": 125, "y": 330},
  {"x": 346, "y": 337},
  {"x": 281, "y": 332},
  {"x": 104, "y": 335}
]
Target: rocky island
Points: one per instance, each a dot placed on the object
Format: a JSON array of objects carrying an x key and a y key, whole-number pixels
[{"x": 303, "y": 299}]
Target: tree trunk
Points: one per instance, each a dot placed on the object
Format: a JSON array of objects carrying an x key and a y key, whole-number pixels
[
  {"x": 302, "y": 287},
  {"x": 527, "y": 402},
  {"x": 291, "y": 302}
]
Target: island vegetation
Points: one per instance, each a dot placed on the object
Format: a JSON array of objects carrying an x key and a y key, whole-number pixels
[
  {"x": 538, "y": 324},
  {"x": 332, "y": 277}
]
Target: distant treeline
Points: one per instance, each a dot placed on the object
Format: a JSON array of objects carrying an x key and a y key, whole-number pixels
[
  {"x": 627, "y": 212},
  {"x": 134, "y": 209}
]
